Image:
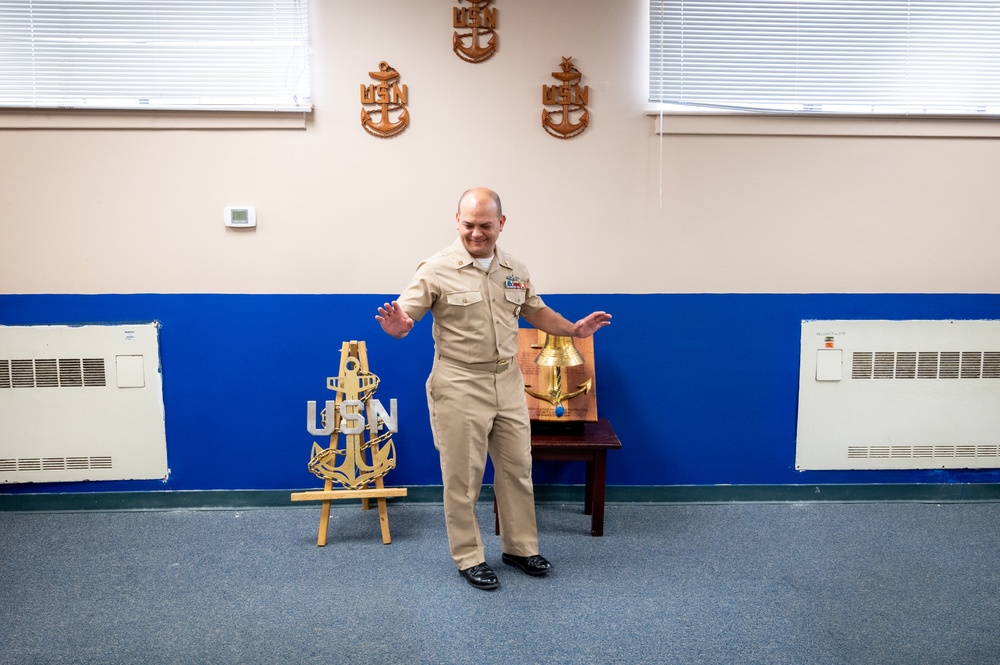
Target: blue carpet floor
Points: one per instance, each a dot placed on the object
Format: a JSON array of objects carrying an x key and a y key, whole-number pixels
[{"x": 678, "y": 583}]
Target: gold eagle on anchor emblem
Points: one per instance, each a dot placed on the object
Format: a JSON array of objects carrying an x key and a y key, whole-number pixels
[
  {"x": 390, "y": 98},
  {"x": 572, "y": 117}
]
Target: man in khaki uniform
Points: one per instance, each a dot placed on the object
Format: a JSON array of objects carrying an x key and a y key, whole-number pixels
[{"x": 475, "y": 392}]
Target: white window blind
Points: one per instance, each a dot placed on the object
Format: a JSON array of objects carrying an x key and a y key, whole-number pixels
[
  {"x": 155, "y": 54},
  {"x": 920, "y": 57}
]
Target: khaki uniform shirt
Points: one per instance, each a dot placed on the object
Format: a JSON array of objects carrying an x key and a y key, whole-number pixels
[{"x": 475, "y": 313}]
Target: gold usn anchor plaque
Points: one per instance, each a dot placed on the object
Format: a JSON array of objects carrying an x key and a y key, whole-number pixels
[{"x": 360, "y": 462}]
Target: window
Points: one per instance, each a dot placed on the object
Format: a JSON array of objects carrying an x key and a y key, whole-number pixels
[
  {"x": 246, "y": 55},
  {"x": 883, "y": 57}
]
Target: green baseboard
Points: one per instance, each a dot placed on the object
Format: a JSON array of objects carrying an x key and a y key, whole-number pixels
[
  {"x": 241, "y": 499},
  {"x": 804, "y": 493}
]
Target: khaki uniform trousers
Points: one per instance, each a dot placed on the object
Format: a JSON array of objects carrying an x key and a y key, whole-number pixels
[{"x": 473, "y": 412}]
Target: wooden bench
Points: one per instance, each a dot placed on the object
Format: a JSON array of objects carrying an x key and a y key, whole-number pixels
[{"x": 589, "y": 444}]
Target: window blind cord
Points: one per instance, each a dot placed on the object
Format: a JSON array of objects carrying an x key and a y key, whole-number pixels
[
  {"x": 661, "y": 159},
  {"x": 660, "y": 132}
]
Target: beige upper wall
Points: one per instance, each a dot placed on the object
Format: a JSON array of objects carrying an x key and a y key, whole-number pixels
[{"x": 616, "y": 210}]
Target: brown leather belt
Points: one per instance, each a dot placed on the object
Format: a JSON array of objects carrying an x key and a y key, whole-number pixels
[{"x": 494, "y": 367}]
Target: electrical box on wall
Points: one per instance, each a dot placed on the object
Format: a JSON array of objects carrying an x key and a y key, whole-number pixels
[{"x": 241, "y": 217}]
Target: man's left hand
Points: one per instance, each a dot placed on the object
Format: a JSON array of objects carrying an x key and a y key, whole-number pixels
[{"x": 591, "y": 323}]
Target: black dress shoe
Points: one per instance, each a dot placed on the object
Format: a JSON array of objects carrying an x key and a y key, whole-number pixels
[
  {"x": 481, "y": 577},
  {"x": 533, "y": 565}
]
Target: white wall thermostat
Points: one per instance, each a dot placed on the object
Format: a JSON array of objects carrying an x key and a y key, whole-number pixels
[{"x": 241, "y": 217}]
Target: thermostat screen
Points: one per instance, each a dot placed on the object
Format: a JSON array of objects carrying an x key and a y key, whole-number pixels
[{"x": 239, "y": 215}]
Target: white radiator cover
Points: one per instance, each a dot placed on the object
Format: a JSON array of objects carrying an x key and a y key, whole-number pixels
[
  {"x": 81, "y": 403},
  {"x": 899, "y": 395}
]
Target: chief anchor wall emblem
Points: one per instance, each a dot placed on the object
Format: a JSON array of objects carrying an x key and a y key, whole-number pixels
[
  {"x": 389, "y": 117},
  {"x": 480, "y": 22},
  {"x": 572, "y": 116}
]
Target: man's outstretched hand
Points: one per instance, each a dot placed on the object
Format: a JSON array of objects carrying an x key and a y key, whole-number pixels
[
  {"x": 394, "y": 320},
  {"x": 591, "y": 323}
]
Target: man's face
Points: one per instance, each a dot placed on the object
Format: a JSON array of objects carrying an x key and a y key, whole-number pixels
[{"x": 478, "y": 225}]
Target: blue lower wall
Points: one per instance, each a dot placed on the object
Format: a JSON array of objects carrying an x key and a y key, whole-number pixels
[{"x": 702, "y": 389}]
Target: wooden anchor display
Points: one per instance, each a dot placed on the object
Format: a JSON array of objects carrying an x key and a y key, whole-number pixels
[
  {"x": 571, "y": 98},
  {"x": 360, "y": 463},
  {"x": 481, "y": 22},
  {"x": 389, "y": 98}
]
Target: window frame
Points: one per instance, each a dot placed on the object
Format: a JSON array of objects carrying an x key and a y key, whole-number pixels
[
  {"x": 779, "y": 120},
  {"x": 119, "y": 71}
]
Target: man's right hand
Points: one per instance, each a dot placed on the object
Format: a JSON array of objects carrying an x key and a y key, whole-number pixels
[{"x": 394, "y": 320}]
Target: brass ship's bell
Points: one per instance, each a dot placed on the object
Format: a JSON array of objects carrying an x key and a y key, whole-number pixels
[{"x": 558, "y": 351}]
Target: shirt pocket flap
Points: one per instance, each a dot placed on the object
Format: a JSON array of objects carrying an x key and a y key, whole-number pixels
[
  {"x": 464, "y": 298},
  {"x": 516, "y": 296}
]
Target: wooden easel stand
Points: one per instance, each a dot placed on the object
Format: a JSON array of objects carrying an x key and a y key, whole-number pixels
[{"x": 328, "y": 494}]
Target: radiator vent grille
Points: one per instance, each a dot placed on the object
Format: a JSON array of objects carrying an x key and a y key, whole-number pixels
[
  {"x": 52, "y": 373},
  {"x": 925, "y": 365},
  {"x": 28, "y": 464},
  {"x": 923, "y": 452}
]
